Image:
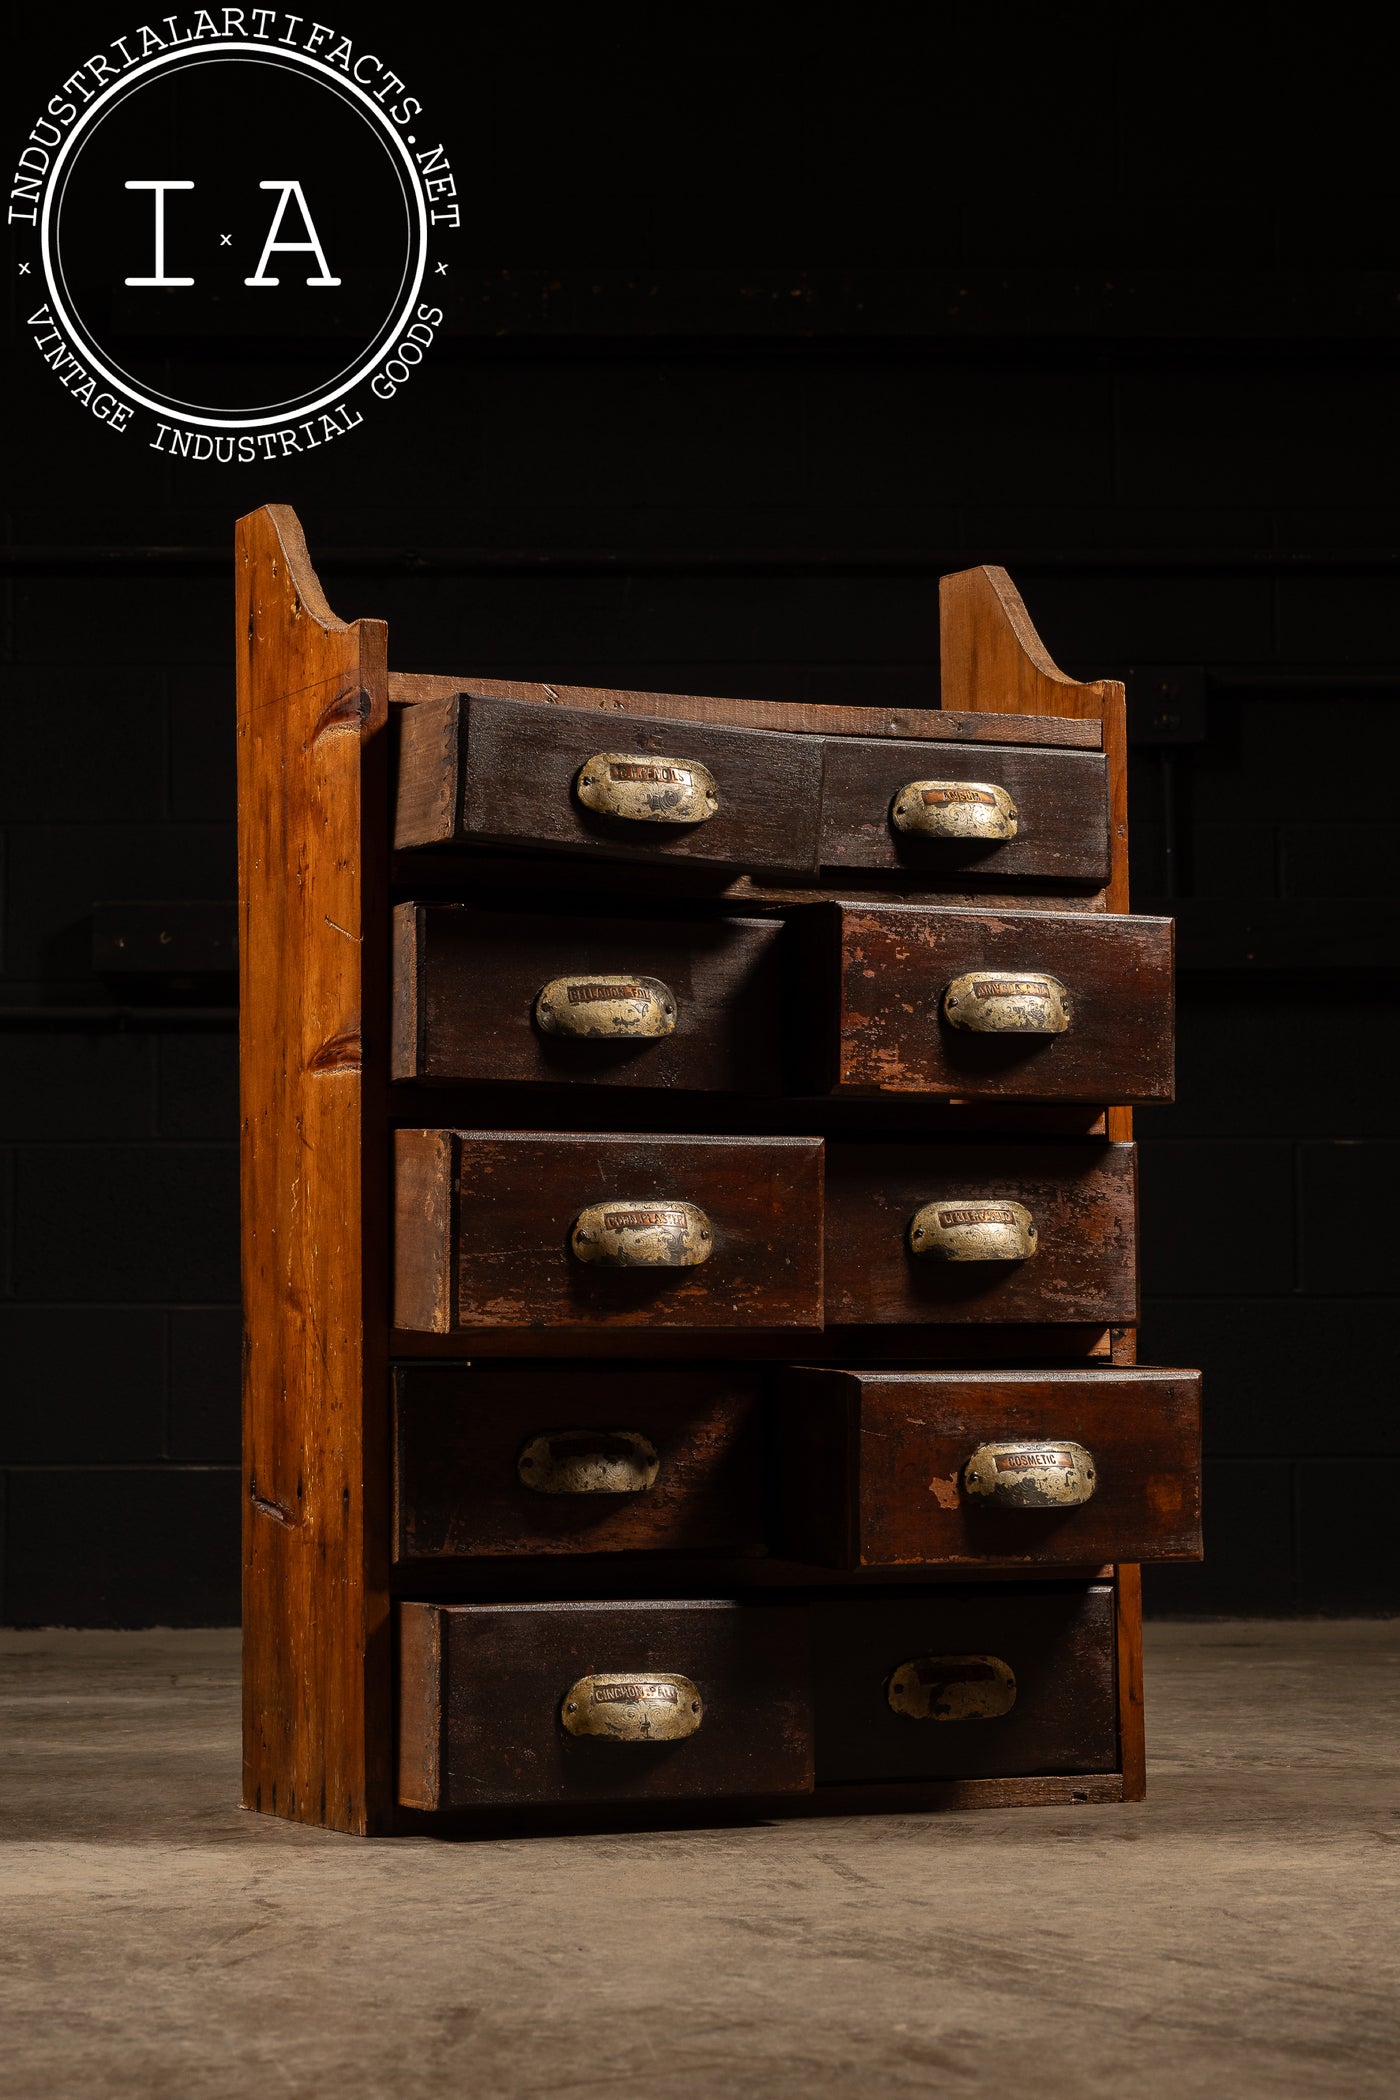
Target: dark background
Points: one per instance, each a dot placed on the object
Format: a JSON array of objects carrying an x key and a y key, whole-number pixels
[{"x": 748, "y": 341}]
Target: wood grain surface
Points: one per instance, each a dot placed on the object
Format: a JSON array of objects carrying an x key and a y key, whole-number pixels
[
  {"x": 871, "y": 1466},
  {"x": 312, "y": 797},
  {"x": 517, "y": 1195},
  {"x": 466, "y": 978},
  {"x": 1081, "y": 1195},
  {"x": 483, "y": 1685},
  {"x": 1057, "y": 1638},
  {"x": 939, "y": 725},
  {"x": 894, "y": 963},
  {"x": 459, "y": 1434},
  {"x": 1061, "y": 798}
]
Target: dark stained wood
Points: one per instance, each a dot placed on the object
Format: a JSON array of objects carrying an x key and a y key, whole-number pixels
[
  {"x": 1132, "y": 1735},
  {"x": 313, "y": 926},
  {"x": 868, "y": 1466},
  {"x": 1061, "y": 798},
  {"x": 1081, "y": 1195},
  {"x": 516, "y": 766},
  {"x": 504, "y": 1670},
  {"x": 424, "y": 1166},
  {"x": 894, "y": 962},
  {"x": 459, "y": 1433},
  {"x": 465, "y": 981},
  {"x": 1022, "y": 1342},
  {"x": 1057, "y": 1638},
  {"x": 409, "y": 689},
  {"x": 948, "y": 1796},
  {"x": 517, "y": 1195}
]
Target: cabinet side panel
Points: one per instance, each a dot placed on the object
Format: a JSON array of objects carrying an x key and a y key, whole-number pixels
[{"x": 312, "y": 710}]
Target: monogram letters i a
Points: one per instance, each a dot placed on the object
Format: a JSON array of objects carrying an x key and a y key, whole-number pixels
[{"x": 271, "y": 246}]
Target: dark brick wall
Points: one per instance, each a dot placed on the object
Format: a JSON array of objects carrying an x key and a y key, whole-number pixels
[{"x": 1171, "y": 406}]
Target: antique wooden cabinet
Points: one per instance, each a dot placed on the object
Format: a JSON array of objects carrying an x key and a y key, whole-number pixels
[{"x": 689, "y": 1237}]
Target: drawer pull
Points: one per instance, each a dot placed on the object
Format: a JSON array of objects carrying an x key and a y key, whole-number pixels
[
  {"x": 651, "y": 1234},
  {"x": 657, "y": 1708},
  {"x": 1004, "y": 1002},
  {"x": 953, "y": 1688},
  {"x": 588, "y": 1462},
  {"x": 617, "y": 1008},
  {"x": 1027, "y": 1475},
  {"x": 643, "y": 789},
  {"x": 962, "y": 1228},
  {"x": 954, "y": 809}
]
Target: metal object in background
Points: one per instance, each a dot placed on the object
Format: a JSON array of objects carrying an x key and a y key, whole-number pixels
[
  {"x": 954, "y": 809},
  {"x": 966, "y": 1228},
  {"x": 641, "y": 788},
  {"x": 1007, "y": 1002},
  {"x": 616, "y": 1008},
  {"x": 1030, "y": 1475},
  {"x": 655, "y": 1708},
  {"x": 649, "y": 1234},
  {"x": 588, "y": 1462},
  {"x": 953, "y": 1688}
]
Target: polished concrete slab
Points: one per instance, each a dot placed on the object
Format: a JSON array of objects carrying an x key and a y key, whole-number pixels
[{"x": 1236, "y": 1934}]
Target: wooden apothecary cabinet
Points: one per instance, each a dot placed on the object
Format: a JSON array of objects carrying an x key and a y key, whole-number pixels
[{"x": 689, "y": 1236}]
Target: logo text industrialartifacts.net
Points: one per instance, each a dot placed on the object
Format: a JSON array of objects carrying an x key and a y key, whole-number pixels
[{"x": 233, "y": 220}]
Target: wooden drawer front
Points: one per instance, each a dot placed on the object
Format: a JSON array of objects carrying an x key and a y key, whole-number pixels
[
  {"x": 1080, "y": 1196},
  {"x": 1060, "y": 800},
  {"x": 954, "y": 1650},
  {"x": 484, "y": 1688},
  {"x": 508, "y": 773},
  {"x": 485, "y": 1221},
  {"x": 614, "y": 1461},
  {"x": 873, "y": 1467},
  {"x": 894, "y": 964},
  {"x": 466, "y": 983}
]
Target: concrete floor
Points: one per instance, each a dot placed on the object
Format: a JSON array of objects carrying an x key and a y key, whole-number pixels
[{"x": 1233, "y": 1936}]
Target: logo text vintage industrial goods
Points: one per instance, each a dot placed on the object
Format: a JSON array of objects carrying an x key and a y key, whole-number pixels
[{"x": 233, "y": 223}]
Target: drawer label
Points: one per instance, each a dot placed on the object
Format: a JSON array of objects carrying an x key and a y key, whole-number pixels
[
  {"x": 947, "y": 797},
  {"x": 657, "y": 1708},
  {"x": 955, "y": 809},
  {"x": 609, "y": 1694},
  {"x": 640, "y": 789},
  {"x": 1028, "y": 1475}
]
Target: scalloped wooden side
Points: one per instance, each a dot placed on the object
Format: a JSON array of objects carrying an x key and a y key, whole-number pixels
[
  {"x": 312, "y": 785},
  {"x": 993, "y": 659}
]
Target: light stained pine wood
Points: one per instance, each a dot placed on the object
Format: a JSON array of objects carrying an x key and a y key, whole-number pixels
[
  {"x": 312, "y": 714},
  {"x": 992, "y": 658}
]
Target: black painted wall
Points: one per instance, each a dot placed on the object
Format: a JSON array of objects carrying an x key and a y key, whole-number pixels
[{"x": 1133, "y": 332}]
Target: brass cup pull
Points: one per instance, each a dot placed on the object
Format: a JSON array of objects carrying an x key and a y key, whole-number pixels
[
  {"x": 1007, "y": 1002},
  {"x": 953, "y": 1688},
  {"x": 654, "y": 1708},
  {"x": 966, "y": 1228},
  {"x": 1031, "y": 1475},
  {"x": 954, "y": 809},
  {"x": 650, "y": 1234},
  {"x": 618, "y": 1009},
  {"x": 588, "y": 1462},
  {"x": 644, "y": 789}
]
